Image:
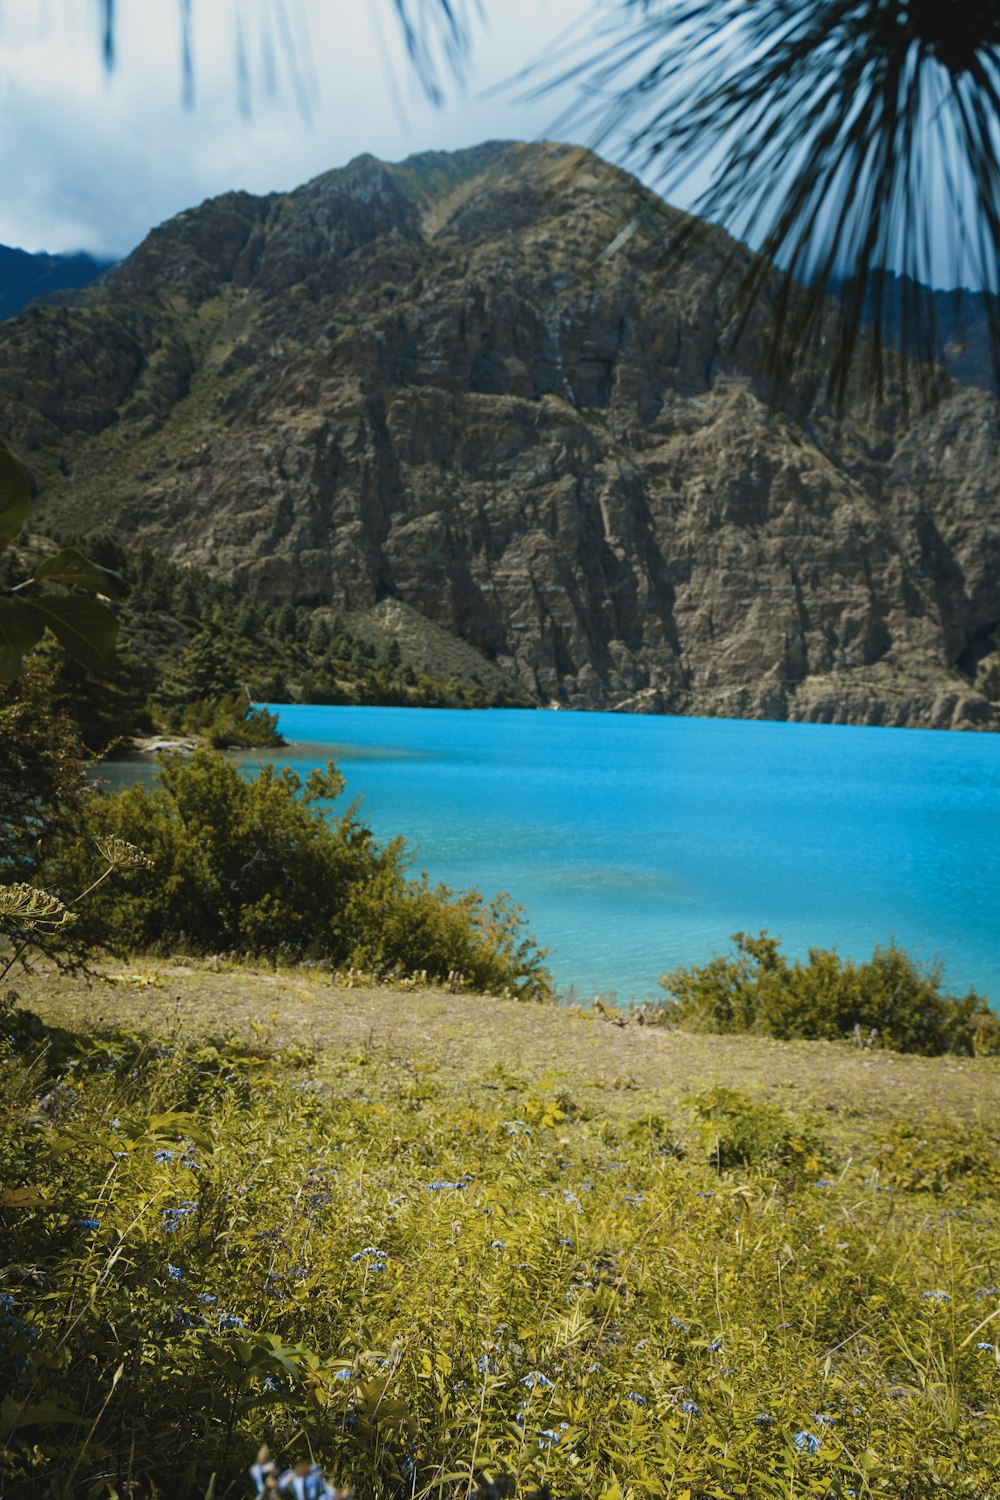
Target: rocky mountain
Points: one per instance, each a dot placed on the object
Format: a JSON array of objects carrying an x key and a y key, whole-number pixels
[
  {"x": 471, "y": 384},
  {"x": 24, "y": 276}
]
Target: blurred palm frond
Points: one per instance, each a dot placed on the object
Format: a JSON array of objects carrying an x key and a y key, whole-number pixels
[{"x": 847, "y": 140}]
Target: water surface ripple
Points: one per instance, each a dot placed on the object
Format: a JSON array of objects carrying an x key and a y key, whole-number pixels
[{"x": 640, "y": 843}]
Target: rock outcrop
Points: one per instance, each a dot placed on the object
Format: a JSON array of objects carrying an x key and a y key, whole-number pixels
[{"x": 471, "y": 383}]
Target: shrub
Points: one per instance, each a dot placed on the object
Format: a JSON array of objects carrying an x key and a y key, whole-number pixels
[
  {"x": 935, "y": 1154},
  {"x": 258, "y": 866},
  {"x": 741, "y": 1132},
  {"x": 888, "y": 999}
]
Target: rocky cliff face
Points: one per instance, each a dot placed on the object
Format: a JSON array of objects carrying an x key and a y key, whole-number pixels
[{"x": 471, "y": 384}]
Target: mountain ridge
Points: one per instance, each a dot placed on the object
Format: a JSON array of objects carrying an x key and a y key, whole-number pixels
[{"x": 456, "y": 383}]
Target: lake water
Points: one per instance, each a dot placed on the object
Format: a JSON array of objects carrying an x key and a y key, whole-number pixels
[{"x": 640, "y": 843}]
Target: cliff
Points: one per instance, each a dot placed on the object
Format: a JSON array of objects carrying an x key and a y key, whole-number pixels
[{"x": 458, "y": 384}]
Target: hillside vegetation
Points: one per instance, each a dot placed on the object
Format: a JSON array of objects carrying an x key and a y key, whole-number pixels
[{"x": 447, "y": 1245}]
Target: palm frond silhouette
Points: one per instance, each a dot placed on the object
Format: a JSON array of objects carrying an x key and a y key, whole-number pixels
[{"x": 846, "y": 139}]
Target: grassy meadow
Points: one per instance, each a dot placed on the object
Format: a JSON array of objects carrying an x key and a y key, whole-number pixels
[{"x": 449, "y": 1245}]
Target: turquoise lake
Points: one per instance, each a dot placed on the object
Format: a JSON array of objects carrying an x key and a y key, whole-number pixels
[{"x": 640, "y": 843}]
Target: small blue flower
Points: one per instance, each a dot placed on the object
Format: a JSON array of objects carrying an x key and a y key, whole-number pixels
[
  {"x": 516, "y": 1127},
  {"x": 572, "y": 1200},
  {"x": 934, "y": 1296},
  {"x": 547, "y": 1438},
  {"x": 635, "y": 1398},
  {"x": 497, "y": 1245},
  {"x": 807, "y": 1442},
  {"x": 369, "y": 1250},
  {"x": 567, "y": 1243},
  {"x": 676, "y": 1322},
  {"x": 691, "y": 1408},
  {"x": 823, "y": 1419},
  {"x": 163, "y": 1155},
  {"x": 763, "y": 1420},
  {"x": 207, "y": 1297},
  {"x": 822, "y": 1182},
  {"x": 987, "y": 1347},
  {"x": 174, "y": 1272},
  {"x": 634, "y": 1199},
  {"x": 342, "y": 1375},
  {"x": 535, "y": 1379},
  {"x": 88, "y": 1224},
  {"x": 984, "y": 1291},
  {"x": 486, "y": 1365},
  {"x": 228, "y": 1320},
  {"x": 716, "y": 1345}
]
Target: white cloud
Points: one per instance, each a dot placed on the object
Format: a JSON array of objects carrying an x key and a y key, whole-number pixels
[{"x": 92, "y": 162}]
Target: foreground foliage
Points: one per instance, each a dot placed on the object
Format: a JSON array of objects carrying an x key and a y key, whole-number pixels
[
  {"x": 888, "y": 1000},
  {"x": 260, "y": 866},
  {"x": 203, "y": 1251}
]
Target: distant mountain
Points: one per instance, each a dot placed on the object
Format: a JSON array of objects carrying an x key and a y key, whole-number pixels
[
  {"x": 23, "y": 277},
  {"x": 460, "y": 385},
  {"x": 962, "y": 324}
]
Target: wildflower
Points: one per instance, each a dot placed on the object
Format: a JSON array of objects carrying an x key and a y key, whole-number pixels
[
  {"x": 573, "y": 1200},
  {"x": 823, "y": 1419},
  {"x": 807, "y": 1442},
  {"x": 762, "y": 1420},
  {"x": 635, "y": 1398},
  {"x": 342, "y": 1375},
  {"x": 822, "y": 1182},
  {"x": 172, "y": 1217},
  {"x": 372, "y": 1250},
  {"x": 716, "y": 1344},
  {"x": 691, "y": 1408},
  {"x": 207, "y": 1297},
  {"x": 88, "y": 1224},
  {"x": 174, "y": 1272},
  {"x": 641, "y": 1344},
  {"x": 987, "y": 1347},
  {"x": 534, "y": 1379},
  {"x": 567, "y": 1243},
  {"x": 228, "y": 1320},
  {"x": 547, "y": 1438},
  {"x": 163, "y": 1155},
  {"x": 497, "y": 1245},
  {"x": 678, "y": 1324},
  {"x": 984, "y": 1291},
  {"x": 634, "y": 1199},
  {"x": 440, "y": 1186},
  {"x": 934, "y": 1296},
  {"x": 516, "y": 1127},
  {"x": 486, "y": 1365}
]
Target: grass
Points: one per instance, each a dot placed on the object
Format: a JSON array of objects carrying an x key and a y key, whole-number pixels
[{"x": 451, "y": 1238}]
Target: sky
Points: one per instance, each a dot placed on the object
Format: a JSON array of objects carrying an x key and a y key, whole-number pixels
[{"x": 92, "y": 161}]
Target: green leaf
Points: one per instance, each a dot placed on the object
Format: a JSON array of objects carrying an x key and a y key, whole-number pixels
[
  {"x": 70, "y": 566},
  {"x": 15, "y": 497},
  {"x": 20, "y": 629},
  {"x": 83, "y": 627},
  {"x": 14, "y": 1414}
]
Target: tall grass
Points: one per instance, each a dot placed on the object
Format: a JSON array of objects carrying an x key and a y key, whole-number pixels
[{"x": 203, "y": 1251}]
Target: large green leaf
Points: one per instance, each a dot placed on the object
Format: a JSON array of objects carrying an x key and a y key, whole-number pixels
[
  {"x": 83, "y": 627},
  {"x": 15, "y": 497},
  {"x": 70, "y": 566},
  {"x": 20, "y": 629}
]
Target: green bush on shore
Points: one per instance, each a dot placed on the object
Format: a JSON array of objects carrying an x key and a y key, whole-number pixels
[
  {"x": 887, "y": 1000},
  {"x": 259, "y": 866}
]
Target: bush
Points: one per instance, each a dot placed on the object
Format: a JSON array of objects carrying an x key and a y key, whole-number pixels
[
  {"x": 41, "y": 772},
  {"x": 259, "y": 867},
  {"x": 888, "y": 999},
  {"x": 741, "y": 1132}
]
